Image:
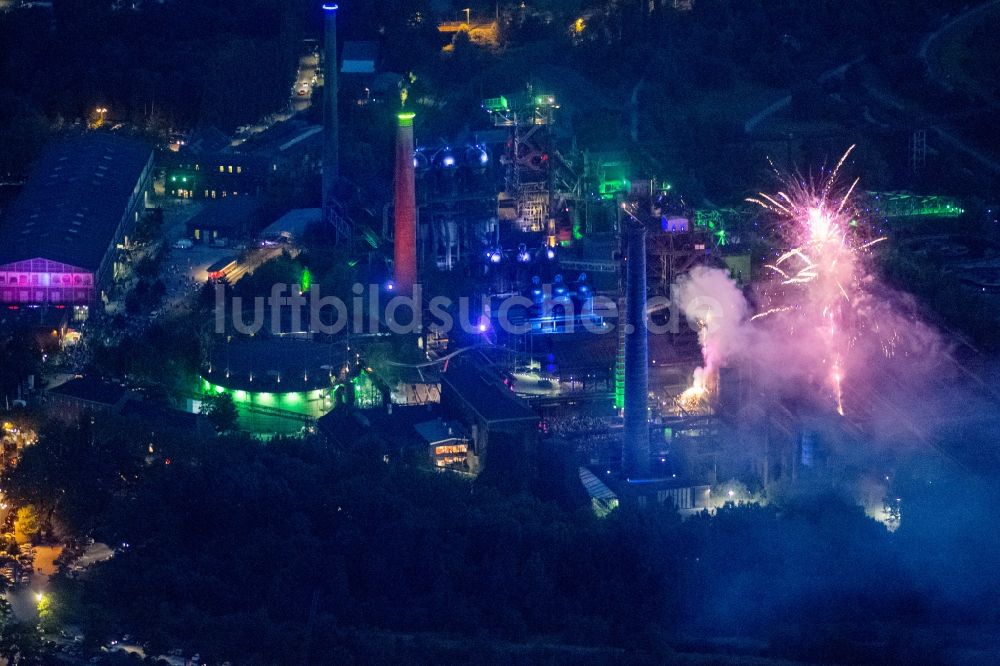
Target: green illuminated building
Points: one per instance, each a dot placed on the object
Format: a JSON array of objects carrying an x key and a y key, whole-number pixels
[
  {"x": 276, "y": 377},
  {"x": 312, "y": 403},
  {"x": 906, "y": 204}
]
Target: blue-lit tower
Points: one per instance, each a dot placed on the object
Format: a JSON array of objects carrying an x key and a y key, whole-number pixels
[
  {"x": 635, "y": 448},
  {"x": 331, "y": 133}
]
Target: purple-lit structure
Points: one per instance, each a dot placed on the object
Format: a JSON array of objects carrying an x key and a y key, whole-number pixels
[{"x": 63, "y": 239}]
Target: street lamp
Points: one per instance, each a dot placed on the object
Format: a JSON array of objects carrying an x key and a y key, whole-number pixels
[{"x": 468, "y": 15}]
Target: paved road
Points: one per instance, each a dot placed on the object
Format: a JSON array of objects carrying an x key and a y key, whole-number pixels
[
  {"x": 307, "y": 78},
  {"x": 24, "y": 599},
  {"x": 184, "y": 271}
]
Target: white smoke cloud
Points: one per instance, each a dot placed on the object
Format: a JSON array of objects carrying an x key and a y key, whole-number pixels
[
  {"x": 888, "y": 353},
  {"x": 712, "y": 303}
]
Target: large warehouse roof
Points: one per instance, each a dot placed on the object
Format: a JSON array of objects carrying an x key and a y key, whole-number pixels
[
  {"x": 484, "y": 393},
  {"x": 74, "y": 199}
]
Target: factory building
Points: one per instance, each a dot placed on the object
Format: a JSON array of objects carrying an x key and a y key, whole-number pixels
[
  {"x": 359, "y": 57},
  {"x": 82, "y": 396},
  {"x": 217, "y": 175},
  {"x": 205, "y": 168},
  {"x": 485, "y": 403},
  {"x": 447, "y": 444},
  {"x": 86, "y": 396},
  {"x": 221, "y": 223},
  {"x": 62, "y": 240},
  {"x": 277, "y": 384}
]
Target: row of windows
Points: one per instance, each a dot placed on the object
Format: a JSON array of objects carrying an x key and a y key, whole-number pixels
[
  {"x": 208, "y": 194},
  {"x": 453, "y": 448},
  {"x": 223, "y": 168},
  {"x": 448, "y": 461},
  {"x": 45, "y": 296},
  {"x": 45, "y": 279}
]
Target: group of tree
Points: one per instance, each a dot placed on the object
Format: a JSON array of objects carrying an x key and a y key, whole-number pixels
[
  {"x": 256, "y": 552},
  {"x": 159, "y": 65},
  {"x": 20, "y": 357}
]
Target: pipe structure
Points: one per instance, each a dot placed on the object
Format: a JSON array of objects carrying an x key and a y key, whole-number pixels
[
  {"x": 405, "y": 202},
  {"x": 331, "y": 130},
  {"x": 635, "y": 448}
]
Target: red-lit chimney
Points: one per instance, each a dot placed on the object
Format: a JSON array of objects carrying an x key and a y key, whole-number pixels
[{"x": 405, "y": 254}]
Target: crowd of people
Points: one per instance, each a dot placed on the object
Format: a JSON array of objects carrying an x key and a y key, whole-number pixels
[{"x": 573, "y": 425}]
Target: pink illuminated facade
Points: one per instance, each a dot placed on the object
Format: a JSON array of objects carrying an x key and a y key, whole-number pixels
[
  {"x": 64, "y": 240},
  {"x": 42, "y": 281}
]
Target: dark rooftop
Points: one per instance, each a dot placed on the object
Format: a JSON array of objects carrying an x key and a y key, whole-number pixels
[
  {"x": 359, "y": 57},
  {"x": 284, "y": 137},
  {"x": 205, "y": 140},
  {"x": 92, "y": 390},
  {"x": 163, "y": 416},
  {"x": 73, "y": 201},
  {"x": 484, "y": 393},
  {"x": 346, "y": 425},
  {"x": 276, "y": 365},
  {"x": 439, "y": 430},
  {"x": 233, "y": 213}
]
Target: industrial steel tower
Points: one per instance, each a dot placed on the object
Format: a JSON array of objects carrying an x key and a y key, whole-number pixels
[
  {"x": 405, "y": 202},
  {"x": 331, "y": 133},
  {"x": 635, "y": 449}
]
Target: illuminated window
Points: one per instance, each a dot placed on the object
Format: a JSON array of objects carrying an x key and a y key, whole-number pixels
[
  {"x": 197, "y": 234},
  {"x": 197, "y": 167},
  {"x": 239, "y": 169},
  {"x": 230, "y": 168},
  {"x": 222, "y": 169},
  {"x": 450, "y": 449},
  {"x": 213, "y": 194},
  {"x": 206, "y": 194},
  {"x": 223, "y": 193}
]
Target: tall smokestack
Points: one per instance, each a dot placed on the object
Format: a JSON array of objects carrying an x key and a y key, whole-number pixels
[
  {"x": 331, "y": 133},
  {"x": 635, "y": 451},
  {"x": 405, "y": 255}
]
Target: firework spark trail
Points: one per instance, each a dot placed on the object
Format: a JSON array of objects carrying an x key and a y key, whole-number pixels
[
  {"x": 820, "y": 316},
  {"x": 767, "y": 313},
  {"x": 822, "y": 266}
]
